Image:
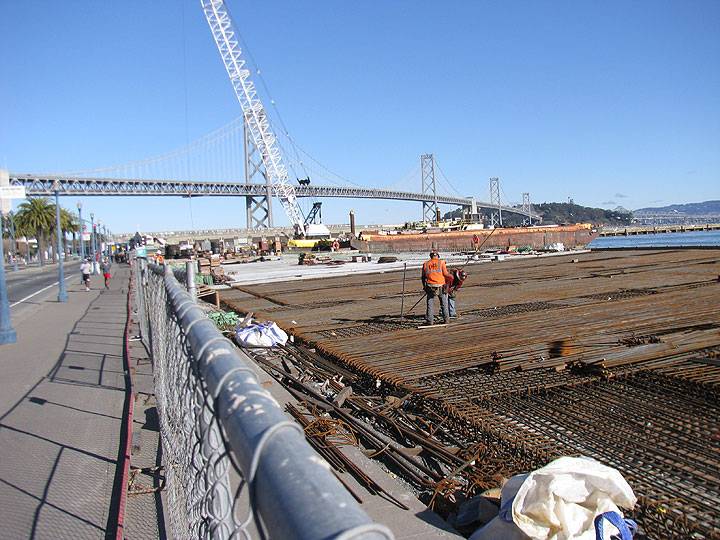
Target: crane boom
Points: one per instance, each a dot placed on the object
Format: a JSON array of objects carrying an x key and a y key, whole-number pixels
[{"x": 224, "y": 33}]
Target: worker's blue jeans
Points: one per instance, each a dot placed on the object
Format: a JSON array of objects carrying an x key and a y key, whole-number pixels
[
  {"x": 431, "y": 293},
  {"x": 451, "y": 306}
]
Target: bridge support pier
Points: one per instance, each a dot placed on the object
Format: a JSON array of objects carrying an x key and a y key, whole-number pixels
[
  {"x": 258, "y": 208},
  {"x": 259, "y": 212}
]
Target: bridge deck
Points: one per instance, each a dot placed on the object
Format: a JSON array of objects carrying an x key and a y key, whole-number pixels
[{"x": 44, "y": 185}]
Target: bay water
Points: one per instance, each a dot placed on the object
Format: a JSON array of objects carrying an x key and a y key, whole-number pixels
[{"x": 678, "y": 239}]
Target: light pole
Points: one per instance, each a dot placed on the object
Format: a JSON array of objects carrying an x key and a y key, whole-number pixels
[
  {"x": 62, "y": 293},
  {"x": 7, "y": 334},
  {"x": 100, "y": 240},
  {"x": 104, "y": 239},
  {"x": 82, "y": 229},
  {"x": 92, "y": 240},
  {"x": 11, "y": 222}
]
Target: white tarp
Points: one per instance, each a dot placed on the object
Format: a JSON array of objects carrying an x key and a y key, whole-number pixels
[
  {"x": 559, "y": 502},
  {"x": 266, "y": 334}
]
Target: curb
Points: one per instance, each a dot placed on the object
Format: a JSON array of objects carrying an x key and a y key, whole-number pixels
[{"x": 129, "y": 409}]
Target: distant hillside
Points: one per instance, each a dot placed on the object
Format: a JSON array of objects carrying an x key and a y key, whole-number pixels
[
  {"x": 691, "y": 209},
  {"x": 574, "y": 213},
  {"x": 557, "y": 213}
]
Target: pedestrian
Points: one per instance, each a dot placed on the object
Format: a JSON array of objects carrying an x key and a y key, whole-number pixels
[
  {"x": 452, "y": 284},
  {"x": 434, "y": 274},
  {"x": 85, "y": 270},
  {"x": 106, "y": 272}
]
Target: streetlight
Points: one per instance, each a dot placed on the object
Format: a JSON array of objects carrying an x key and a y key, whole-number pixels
[
  {"x": 104, "y": 237},
  {"x": 62, "y": 293},
  {"x": 13, "y": 244},
  {"x": 92, "y": 240},
  {"x": 100, "y": 239},
  {"x": 7, "y": 334},
  {"x": 82, "y": 229}
]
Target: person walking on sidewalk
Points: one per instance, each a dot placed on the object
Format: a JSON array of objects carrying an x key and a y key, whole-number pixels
[
  {"x": 434, "y": 274},
  {"x": 85, "y": 270},
  {"x": 106, "y": 272}
]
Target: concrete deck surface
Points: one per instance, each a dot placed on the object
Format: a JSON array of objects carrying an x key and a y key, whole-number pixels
[{"x": 62, "y": 395}]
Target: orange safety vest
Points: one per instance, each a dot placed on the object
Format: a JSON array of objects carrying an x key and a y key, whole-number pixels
[{"x": 434, "y": 272}]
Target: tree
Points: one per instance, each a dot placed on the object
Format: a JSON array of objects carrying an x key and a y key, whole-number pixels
[
  {"x": 68, "y": 224},
  {"x": 36, "y": 217}
]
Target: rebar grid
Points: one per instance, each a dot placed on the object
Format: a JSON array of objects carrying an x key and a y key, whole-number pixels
[
  {"x": 515, "y": 380},
  {"x": 656, "y": 427}
]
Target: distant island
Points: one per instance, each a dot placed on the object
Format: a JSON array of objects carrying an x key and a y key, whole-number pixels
[
  {"x": 558, "y": 213},
  {"x": 689, "y": 209},
  {"x": 688, "y": 214}
]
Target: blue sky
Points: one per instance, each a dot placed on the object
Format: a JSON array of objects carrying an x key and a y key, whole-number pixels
[{"x": 610, "y": 103}]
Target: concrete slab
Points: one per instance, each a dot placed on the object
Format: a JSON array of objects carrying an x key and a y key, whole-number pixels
[
  {"x": 61, "y": 406},
  {"x": 286, "y": 268}
]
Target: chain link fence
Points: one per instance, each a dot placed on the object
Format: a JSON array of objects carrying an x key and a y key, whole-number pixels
[{"x": 225, "y": 439}]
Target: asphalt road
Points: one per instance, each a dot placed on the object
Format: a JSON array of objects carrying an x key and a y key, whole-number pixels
[{"x": 32, "y": 281}]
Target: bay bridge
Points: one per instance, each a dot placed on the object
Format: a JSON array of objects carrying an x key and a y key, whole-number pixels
[
  {"x": 257, "y": 195},
  {"x": 46, "y": 185}
]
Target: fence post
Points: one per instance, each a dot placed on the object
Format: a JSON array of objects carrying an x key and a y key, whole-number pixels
[{"x": 190, "y": 280}]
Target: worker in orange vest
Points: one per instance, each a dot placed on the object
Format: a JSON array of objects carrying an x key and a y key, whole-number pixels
[{"x": 434, "y": 274}]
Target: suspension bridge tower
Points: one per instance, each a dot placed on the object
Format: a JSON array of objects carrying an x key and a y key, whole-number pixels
[
  {"x": 527, "y": 209},
  {"x": 427, "y": 171},
  {"x": 496, "y": 215},
  {"x": 258, "y": 208}
]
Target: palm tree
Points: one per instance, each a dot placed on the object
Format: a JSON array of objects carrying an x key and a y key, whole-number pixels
[
  {"x": 69, "y": 224},
  {"x": 36, "y": 217}
]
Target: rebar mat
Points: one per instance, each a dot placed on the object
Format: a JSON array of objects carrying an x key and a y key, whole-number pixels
[{"x": 659, "y": 429}]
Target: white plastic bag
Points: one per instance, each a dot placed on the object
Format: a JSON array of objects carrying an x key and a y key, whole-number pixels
[
  {"x": 260, "y": 335},
  {"x": 560, "y": 501}
]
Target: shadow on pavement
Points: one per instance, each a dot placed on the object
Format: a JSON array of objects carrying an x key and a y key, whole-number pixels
[{"x": 61, "y": 441}]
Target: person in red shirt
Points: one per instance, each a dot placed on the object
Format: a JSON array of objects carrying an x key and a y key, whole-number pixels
[
  {"x": 434, "y": 275},
  {"x": 452, "y": 284}
]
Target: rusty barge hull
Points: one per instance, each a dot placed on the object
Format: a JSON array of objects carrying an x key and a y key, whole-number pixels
[{"x": 572, "y": 236}]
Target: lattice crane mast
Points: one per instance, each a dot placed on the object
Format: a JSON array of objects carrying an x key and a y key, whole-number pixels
[{"x": 224, "y": 33}]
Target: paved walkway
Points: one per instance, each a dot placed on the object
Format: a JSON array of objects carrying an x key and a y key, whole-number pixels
[{"x": 62, "y": 396}]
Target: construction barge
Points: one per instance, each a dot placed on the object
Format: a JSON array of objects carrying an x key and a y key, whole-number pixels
[
  {"x": 611, "y": 355},
  {"x": 537, "y": 238}
]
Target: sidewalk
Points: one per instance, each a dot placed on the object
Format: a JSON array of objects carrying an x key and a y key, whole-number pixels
[{"x": 62, "y": 397}]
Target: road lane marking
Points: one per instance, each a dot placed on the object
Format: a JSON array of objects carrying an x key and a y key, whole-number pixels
[{"x": 38, "y": 292}]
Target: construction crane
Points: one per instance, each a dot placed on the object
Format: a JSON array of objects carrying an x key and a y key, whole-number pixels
[{"x": 227, "y": 41}]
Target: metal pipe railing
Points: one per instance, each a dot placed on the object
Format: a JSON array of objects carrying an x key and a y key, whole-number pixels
[{"x": 292, "y": 489}]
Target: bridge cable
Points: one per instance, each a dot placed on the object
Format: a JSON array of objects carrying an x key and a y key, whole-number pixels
[
  {"x": 414, "y": 173},
  {"x": 450, "y": 184}
]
